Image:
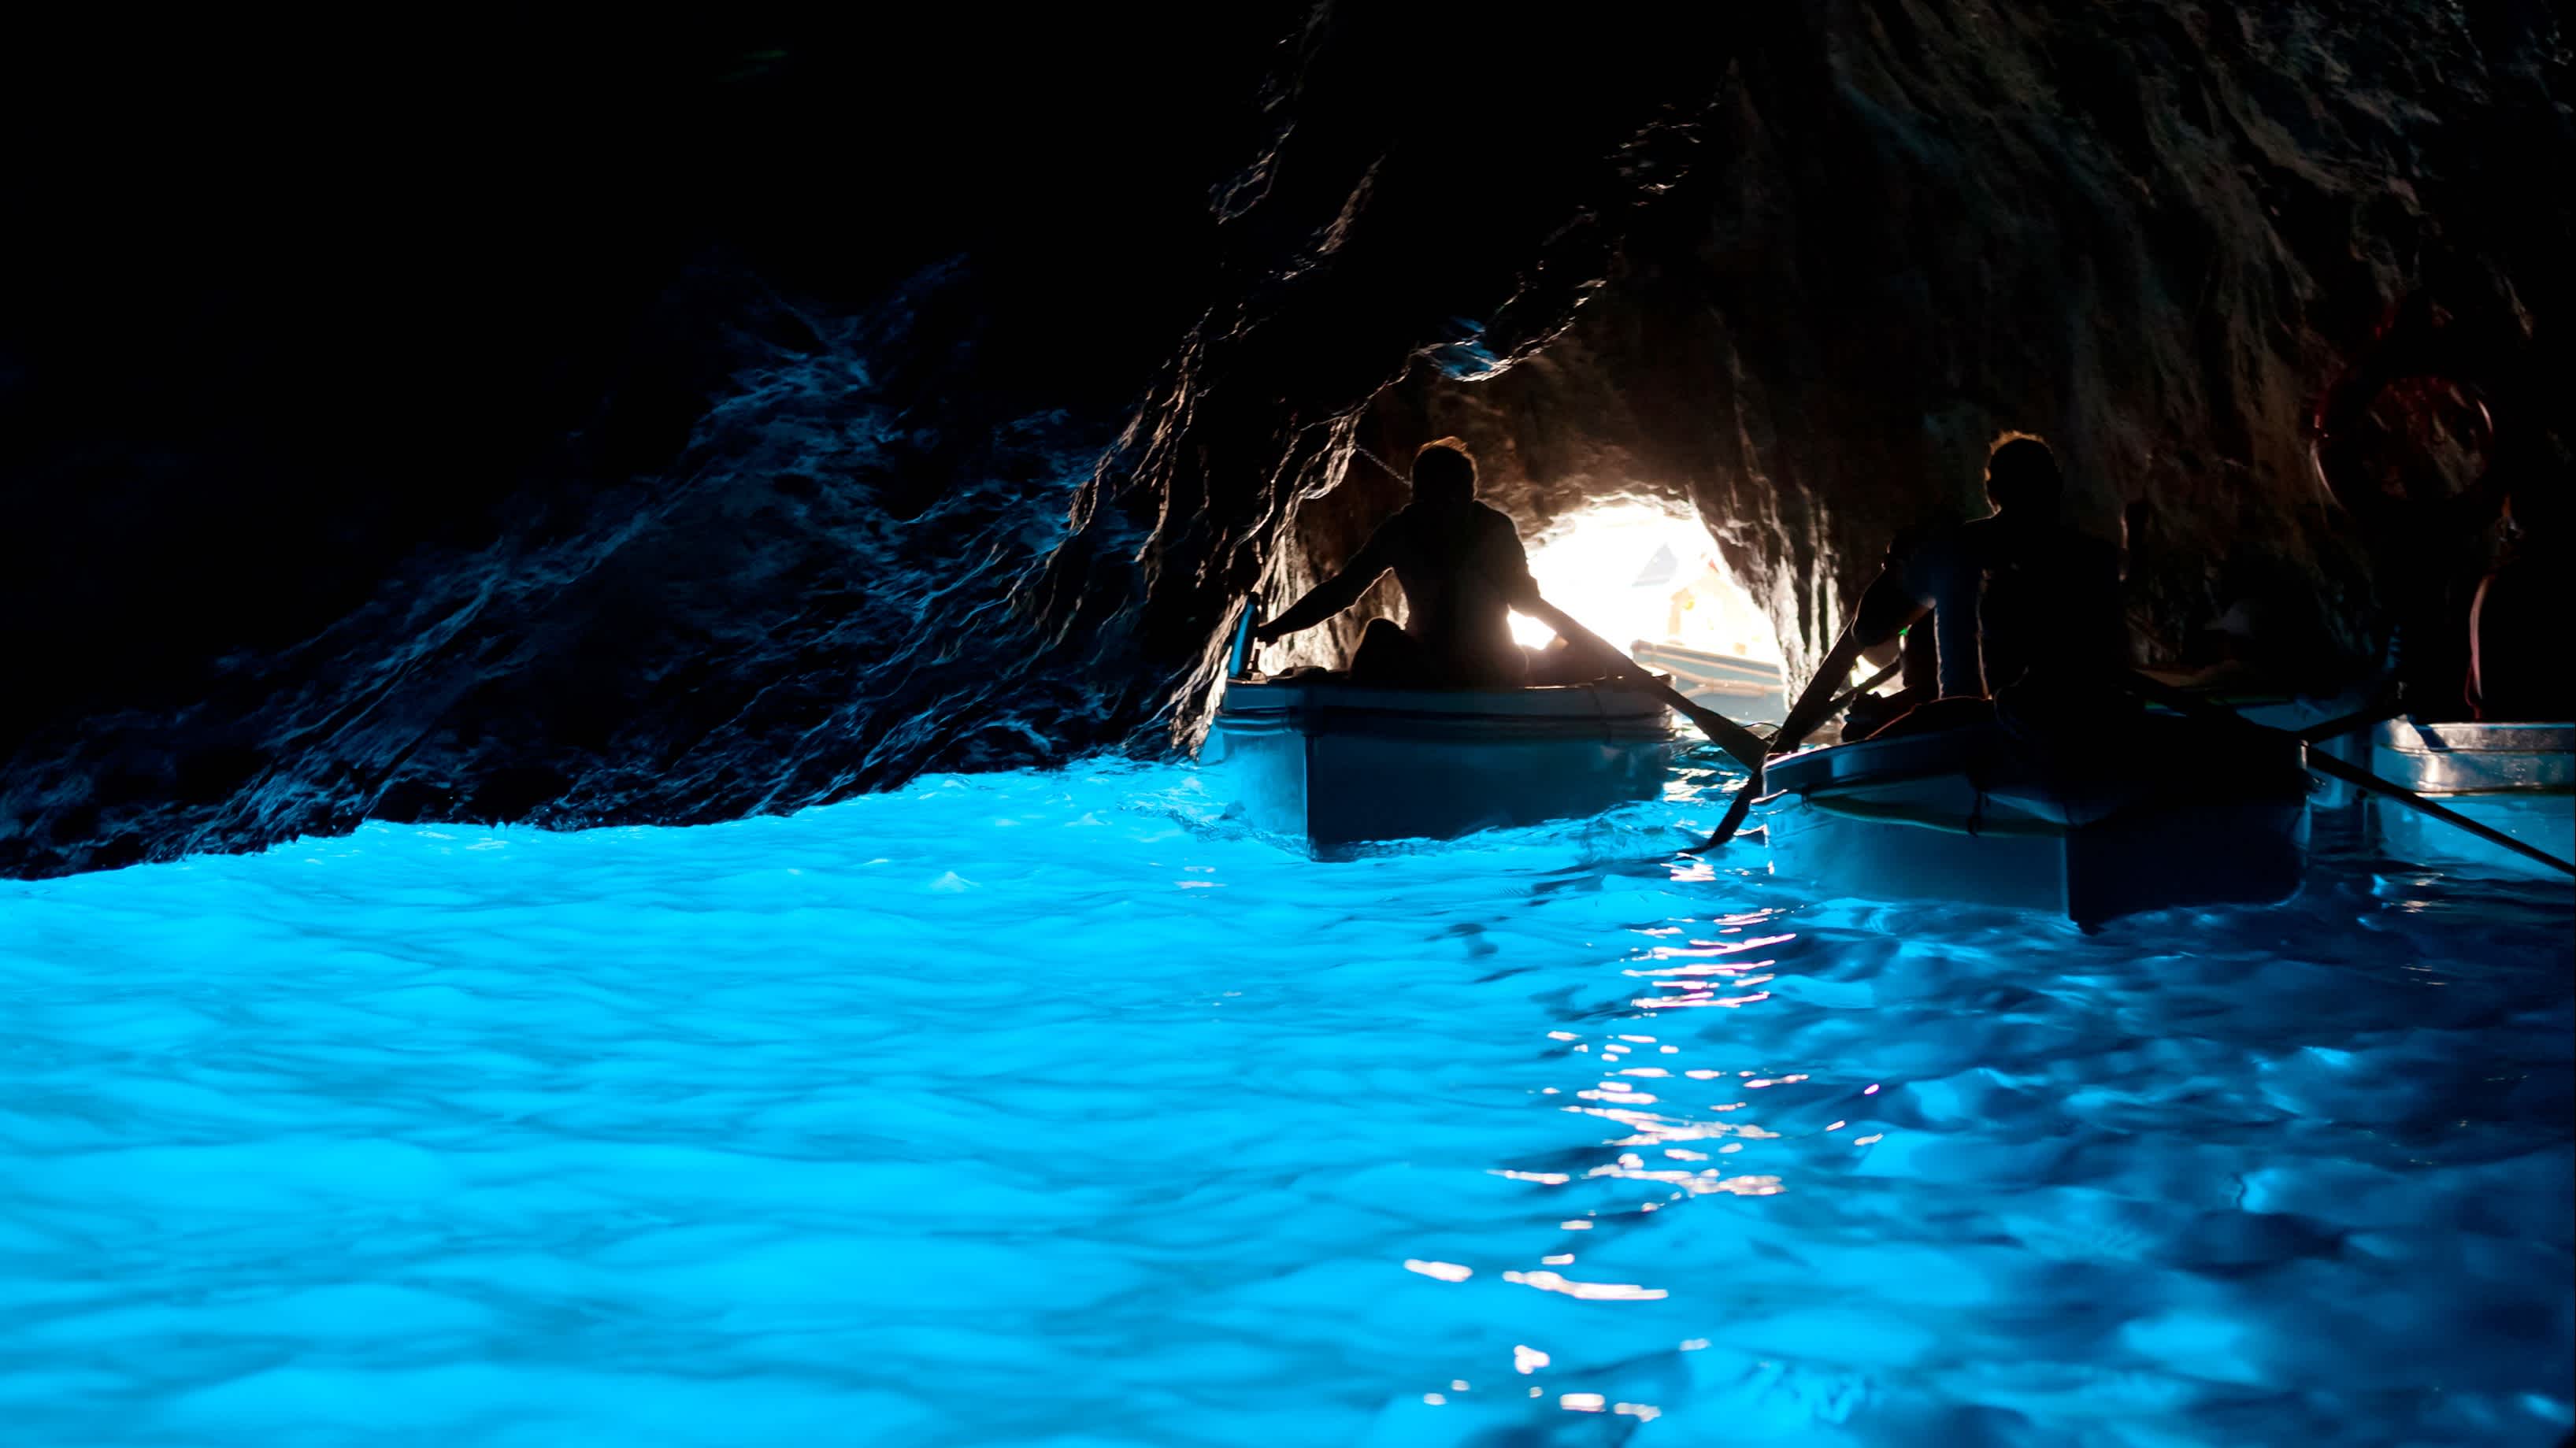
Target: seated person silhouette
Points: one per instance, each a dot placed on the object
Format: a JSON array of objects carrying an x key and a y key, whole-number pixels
[
  {"x": 1462, "y": 569},
  {"x": 2427, "y": 537},
  {"x": 2021, "y": 604},
  {"x": 2517, "y": 622}
]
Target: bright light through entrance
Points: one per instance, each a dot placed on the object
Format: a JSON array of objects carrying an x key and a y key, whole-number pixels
[{"x": 1632, "y": 571}]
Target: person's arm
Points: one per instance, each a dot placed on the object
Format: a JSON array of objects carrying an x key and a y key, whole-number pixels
[
  {"x": 2473, "y": 689},
  {"x": 1507, "y": 566},
  {"x": 1604, "y": 654},
  {"x": 1942, "y": 576},
  {"x": 2105, "y": 611},
  {"x": 1332, "y": 595},
  {"x": 1887, "y": 607},
  {"x": 1890, "y": 606}
]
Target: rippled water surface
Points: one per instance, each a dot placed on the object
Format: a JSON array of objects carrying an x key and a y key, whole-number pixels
[{"x": 1053, "y": 1109}]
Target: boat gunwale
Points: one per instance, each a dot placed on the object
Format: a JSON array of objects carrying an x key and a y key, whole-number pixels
[
  {"x": 1963, "y": 752},
  {"x": 2530, "y": 791},
  {"x": 1683, "y": 660},
  {"x": 2408, "y": 735},
  {"x": 1288, "y": 699},
  {"x": 1454, "y": 728},
  {"x": 2017, "y": 825}
]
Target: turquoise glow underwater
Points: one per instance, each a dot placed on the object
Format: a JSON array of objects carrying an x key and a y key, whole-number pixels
[{"x": 1056, "y": 1109}]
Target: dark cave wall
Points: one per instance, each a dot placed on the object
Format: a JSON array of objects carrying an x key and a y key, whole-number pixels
[
  {"x": 516, "y": 425},
  {"x": 689, "y": 645},
  {"x": 863, "y": 408},
  {"x": 1436, "y": 196},
  {"x": 649, "y": 506},
  {"x": 2152, "y": 233}
]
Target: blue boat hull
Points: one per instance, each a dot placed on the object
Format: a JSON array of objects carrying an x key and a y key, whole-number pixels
[
  {"x": 1969, "y": 815},
  {"x": 1329, "y": 767},
  {"x": 2517, "y": 778}
]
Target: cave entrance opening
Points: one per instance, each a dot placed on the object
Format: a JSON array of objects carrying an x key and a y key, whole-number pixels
[{"x": 1642, "y": 572}]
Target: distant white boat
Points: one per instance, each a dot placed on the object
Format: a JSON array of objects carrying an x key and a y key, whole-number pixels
[{"x": 1744, "y": 690}]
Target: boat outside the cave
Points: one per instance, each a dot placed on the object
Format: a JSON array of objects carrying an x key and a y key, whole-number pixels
[
  {"x": 1333, "y": 765},
  {"x": 2169, "y": 813},
  {"x": 1743, "y": 689},
  {"x": 2516, "y": 778}
]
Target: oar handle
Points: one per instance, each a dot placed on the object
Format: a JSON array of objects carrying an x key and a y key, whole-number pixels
[
  {"x": 1843, "y": 700},
  {"x": 1241, "y": 659},
  {"x": 1837, "y": 664},
  {"x": 1816, "y": 703}
]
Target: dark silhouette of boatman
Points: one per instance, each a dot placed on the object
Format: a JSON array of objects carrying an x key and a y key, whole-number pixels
[
  {"x": 2517, "y": 621},
  {"x": 1463, "y": 572},
  {"x": 2494, "y": 643},
  {"x": 2020, "y": 603}
]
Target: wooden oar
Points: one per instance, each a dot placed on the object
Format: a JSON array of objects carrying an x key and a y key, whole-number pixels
[
  {"x": 1736, "y": 810},
  {"x": 1747, "y": 746},
  {"x": 2359, "y": 778},
  {"x": 1803, "y": 718},
  {"x": 1843, "y": 700},
  {"x": 1818, "y": 702}
]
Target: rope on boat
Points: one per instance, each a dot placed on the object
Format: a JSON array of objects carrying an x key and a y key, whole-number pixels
[{"x": 1382, "y": 464}]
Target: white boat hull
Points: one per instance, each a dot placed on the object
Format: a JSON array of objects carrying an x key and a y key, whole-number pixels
[{"x": 1744, "y": 690}]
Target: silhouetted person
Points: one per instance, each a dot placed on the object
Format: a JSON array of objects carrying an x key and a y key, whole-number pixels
[
  {"x": 2518, "y": 655},
  {"x": 2428, "y": 543},
  {"x": 2018, "y": 601},
  {"x": 1462, "y": 569}
]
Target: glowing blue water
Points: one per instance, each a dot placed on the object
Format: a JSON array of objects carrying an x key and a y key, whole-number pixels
[{"x": 1051, "y": 1109}]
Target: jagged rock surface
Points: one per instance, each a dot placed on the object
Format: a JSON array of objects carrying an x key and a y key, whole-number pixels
[
  {"x": 737, "y": 516},
  {"x": 2153, "y": 233}
]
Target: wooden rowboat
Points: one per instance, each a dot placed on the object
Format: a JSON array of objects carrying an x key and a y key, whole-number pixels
[
  {"x": 1743, "y": 689},
  {"x": 1331, "y": 765},
  {"x": 2517, "y": 778},
  {"x": 2167, "y": 813}
]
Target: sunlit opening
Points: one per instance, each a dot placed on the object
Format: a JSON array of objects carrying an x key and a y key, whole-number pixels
[{"x": 1633, "y": 571}]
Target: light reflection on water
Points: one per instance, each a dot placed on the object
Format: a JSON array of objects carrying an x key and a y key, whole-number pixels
[{"x": 1055, "y": 1109}]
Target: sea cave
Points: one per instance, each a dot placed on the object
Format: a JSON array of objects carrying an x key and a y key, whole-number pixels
[{"x": 666, "y": 779}]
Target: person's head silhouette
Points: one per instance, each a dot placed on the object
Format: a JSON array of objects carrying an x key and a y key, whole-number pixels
[
  {"x": 1444, "y": 473},
  {"x": 2022, "y": 480}
]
